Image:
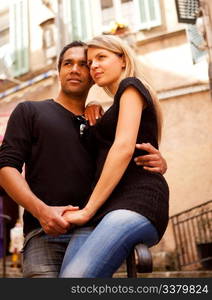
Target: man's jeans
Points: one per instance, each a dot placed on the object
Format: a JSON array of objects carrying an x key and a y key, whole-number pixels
[
  {"x": 100, "y": 252},
  {"x": 42, "y": 255}
]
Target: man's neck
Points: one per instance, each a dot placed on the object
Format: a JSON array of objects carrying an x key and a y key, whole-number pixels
[{"x": 74, "y": 104}]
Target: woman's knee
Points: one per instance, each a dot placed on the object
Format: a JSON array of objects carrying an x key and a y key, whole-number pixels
[
  {"x": 123, "y": 217},
  {"x": 131, "y": 225}
]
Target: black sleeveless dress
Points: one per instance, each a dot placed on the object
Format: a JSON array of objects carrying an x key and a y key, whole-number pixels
[{"x": 138, "y": 190}]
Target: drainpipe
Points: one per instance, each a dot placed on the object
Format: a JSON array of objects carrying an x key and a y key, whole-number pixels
[
  {"x": 206, "y": 8},
  {"x": 60, "y": 26}
]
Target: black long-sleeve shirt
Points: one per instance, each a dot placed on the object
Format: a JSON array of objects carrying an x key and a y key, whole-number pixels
[{"x": 46, "y": 138}]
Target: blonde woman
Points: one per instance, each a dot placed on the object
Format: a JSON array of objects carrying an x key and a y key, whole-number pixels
[{"x": 128, "y": 204}]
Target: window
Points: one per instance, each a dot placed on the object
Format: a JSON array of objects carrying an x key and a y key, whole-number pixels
[
  {"x": 78, "y": 19},
  {"x": 138, "y": 14},
  {"x": 19, "y": 36},
  {"x": 128, "y": 12},
  {"x": 14, "y": 38},
  {"x": 149, "y": 11},
  {"x": 85, "y": 18},
  {"x": 4, "y": 27},
  {"x": 117, "y": 10},
  {"x": 4, "y": 42},
  {"x": 106, "y": 4},
  {"x": 197, "y": 43},
  {"x": 108, "y": 13}
]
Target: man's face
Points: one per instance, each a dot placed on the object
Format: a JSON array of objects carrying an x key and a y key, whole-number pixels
[{"x": 74, "y": 73}]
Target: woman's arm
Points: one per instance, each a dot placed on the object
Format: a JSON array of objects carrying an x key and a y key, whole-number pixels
[{"x": 119, "y": 155}]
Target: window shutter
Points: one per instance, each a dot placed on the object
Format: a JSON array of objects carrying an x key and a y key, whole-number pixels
[
  {"x": 196, "y": 43},
  {"x": 150, "y": 15},
  {"x": 79, "y": 24},
  {"x": 19, "y": 36}
]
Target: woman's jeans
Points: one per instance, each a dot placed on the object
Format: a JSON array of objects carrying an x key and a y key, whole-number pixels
[{"x": 99, "y": 252}]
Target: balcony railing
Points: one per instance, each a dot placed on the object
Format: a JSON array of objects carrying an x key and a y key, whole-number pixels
[{"x": 193, "y": 237}]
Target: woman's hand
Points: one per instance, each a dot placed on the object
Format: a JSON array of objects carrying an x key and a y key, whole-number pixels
[
  {"x": 79, "y": 217},
  {"x": 93, "y": 112}
]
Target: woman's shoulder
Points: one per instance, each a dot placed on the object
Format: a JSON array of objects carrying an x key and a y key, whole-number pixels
[
  {"x": 137, "y": 84},
  {"x": 132, "y": 80}
]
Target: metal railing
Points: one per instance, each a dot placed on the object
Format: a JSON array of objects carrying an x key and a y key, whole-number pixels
[{"x": 193, "y": 237}]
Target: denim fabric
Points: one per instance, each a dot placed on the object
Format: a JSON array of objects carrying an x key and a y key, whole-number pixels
[
  {"x": 101, "y": 252},
  {"x": 42, "y": 255}
]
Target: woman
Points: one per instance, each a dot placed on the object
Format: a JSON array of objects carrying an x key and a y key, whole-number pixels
[{"x": 128, "y": 204}]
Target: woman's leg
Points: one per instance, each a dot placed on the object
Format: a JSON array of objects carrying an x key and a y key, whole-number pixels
[
  {"x": 108, "y": 245},
  {"x": 77, "y": 240}
]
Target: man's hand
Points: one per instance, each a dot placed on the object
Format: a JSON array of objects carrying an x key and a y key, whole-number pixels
[
  {"x": 93, "y": 112},
  {"x": 51, "y": 220},
  {"x": 153, "y": 161}
]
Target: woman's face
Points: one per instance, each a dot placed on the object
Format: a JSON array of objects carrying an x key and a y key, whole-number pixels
[{"x": 105, "y": 67}]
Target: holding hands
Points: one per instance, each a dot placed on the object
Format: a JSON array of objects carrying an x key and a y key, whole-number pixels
[
  {"x": 79, "y": 217},
  {"x": 52, "y": 221}
]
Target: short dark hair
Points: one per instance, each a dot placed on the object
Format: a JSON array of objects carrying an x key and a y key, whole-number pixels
[{"x": 65, "y": 48}]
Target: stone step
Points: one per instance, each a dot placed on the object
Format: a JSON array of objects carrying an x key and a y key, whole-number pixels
[
  {"x": 169, "y": 274},
  {"x": 15, "y": 272}
]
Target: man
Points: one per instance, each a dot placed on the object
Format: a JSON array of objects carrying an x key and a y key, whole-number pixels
[{"x": 46, "y": 137}]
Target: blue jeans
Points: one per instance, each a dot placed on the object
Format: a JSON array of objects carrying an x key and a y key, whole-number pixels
[{"x": 99, "y": 252}]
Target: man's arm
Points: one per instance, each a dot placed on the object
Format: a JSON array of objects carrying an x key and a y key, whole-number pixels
[
  {"x": 50, "y": 217},
  {"x": 153, "y": 161}
]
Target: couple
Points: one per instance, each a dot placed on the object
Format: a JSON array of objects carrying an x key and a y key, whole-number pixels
[{"x": 85, "y": 190}]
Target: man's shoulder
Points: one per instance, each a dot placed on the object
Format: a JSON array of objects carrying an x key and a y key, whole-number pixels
[
  {"x": 30, "y": 107},
  {"x": 34, "y": 105},
  {"x": 37, "y": 103}
]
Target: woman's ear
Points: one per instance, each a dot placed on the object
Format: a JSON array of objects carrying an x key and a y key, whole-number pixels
[{"x": 123, "y": 62}]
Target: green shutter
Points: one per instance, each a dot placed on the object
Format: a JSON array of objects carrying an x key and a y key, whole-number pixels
[
  {"x": 19, "y": 36},
  {"x": 83, "y": 23},
  {"x": 152, "y": 10},
  {"x": 150, "y": 15},
  {"x": 142, "y": 8},
  {"x": 75, "y": 19},
  {"x": 80, "y": 25}
]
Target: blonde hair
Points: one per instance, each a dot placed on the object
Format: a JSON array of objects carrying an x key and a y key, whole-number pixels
[{"x": 132, "y": 69}]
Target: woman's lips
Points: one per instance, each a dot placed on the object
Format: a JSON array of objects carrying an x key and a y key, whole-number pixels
[{"x": 97, "y": 75}]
